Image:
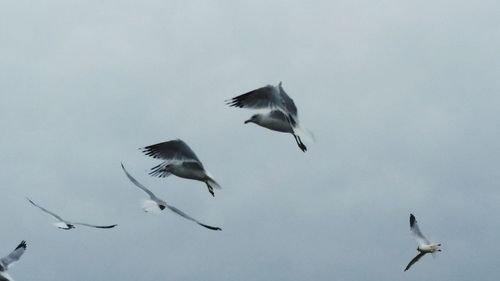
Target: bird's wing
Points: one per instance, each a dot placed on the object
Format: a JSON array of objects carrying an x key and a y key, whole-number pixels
[
  {"x": 265, "y": 97},
  {"x": 138, "y": 184},
  {"x": 278, "y": 115},
  {"x": 415, "y": 230},
  {"x": 14, "y": 255},
  {"x": 289, "y": 104},
  {"x": 96, "y": 226},
  {"x": 414, "y": 260},
  {"x": 45, "y": 210},
  {"x": 171, "y": 150},
  {"x": 184, "y": 215},
  {"x": 4, "y": 276},
  {"x": 193, "y": 165}
]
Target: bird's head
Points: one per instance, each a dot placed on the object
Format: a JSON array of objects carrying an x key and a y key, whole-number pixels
[{"x": 254, "y": 119}]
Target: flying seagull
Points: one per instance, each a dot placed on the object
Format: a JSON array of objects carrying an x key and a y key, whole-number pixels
[
  {"x": 283, "y": 112},
  {"x": 424, "y": 246},
  {"x": 67, "y": 225},
  {"x": 181, "y": 161},
  {"x": 7, "y": 261},
  {"x": 156, "y": 205}
]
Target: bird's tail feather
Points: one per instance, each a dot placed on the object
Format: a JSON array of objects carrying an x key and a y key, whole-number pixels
[{"x": 304, "y": 133}]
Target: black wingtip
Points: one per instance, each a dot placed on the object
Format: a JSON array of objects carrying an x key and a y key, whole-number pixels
[
  {"x": 412, "y": 220},
  {"x": 211, "y": 227},
  {"x": 21, "y": 245}
]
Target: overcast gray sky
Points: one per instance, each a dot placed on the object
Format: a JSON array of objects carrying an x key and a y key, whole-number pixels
[{"x": 402, "y": 97}]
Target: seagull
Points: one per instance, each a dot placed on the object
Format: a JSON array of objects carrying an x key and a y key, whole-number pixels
[
  {"x": 424, "y": 246},
  {"x": 156, "y": 205},
  {"x": 67, "y": 225},
  {"x": 181, "y": 161},
  {"x": 7, "y": 261},
  {"x": 282, "y": 117}
]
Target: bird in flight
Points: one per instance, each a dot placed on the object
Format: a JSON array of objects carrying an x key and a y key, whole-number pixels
[
  {"x": 7, "y": 261},
  {"x": 181, "y": 161},
  {"x": 67, "y": 225},
  {"x": 156, "y": 205},
  {"x": 282, "y": 115},
  {"x": 424, "y": 246}
]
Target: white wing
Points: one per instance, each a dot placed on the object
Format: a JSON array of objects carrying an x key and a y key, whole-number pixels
[
  {"x": 184, "y": 215},
  {"x": 14, "y": 255},
  {"x": 421, "y": 240},
  {"x": 45, "y": 210},
  {"x": 138, "y": 184}
]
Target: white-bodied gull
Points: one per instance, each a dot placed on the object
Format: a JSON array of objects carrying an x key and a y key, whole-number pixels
[
  {"x": 156, "y": 205},
  {"x": 181, "y": 161},
  {"x": 424, "y": 246},
  {"x": 67, "y": 225},
  {"x": 7, "y": 261},
  {"x": 283, "y": 116}
]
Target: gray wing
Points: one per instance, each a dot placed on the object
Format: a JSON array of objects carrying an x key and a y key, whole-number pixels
[
  {"x": 289, "y": 104},
  {"x": 265, "y": 97},
  {"x": 14, "y": 255},
  {"x": 95, "y": 226},
  {"x": 138, "y": 184},
  {"x": 45, "y": 210},
  {"x": 278, "y": 115},
  {"x": 171, "y": 150},
  {"x": 5, "y": 277},
  {"x": 415, "y": 230},
  {"x": 414, "y": 260},
  {"x": 184, "y": 215}
]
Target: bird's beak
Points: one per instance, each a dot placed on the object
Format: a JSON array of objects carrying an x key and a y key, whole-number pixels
[{"x": 248, "y": 121}]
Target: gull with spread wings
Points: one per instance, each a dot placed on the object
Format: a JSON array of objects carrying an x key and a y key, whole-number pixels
[
  {"x": 282, "y": 116},
  {"x": 424, "y": 246},
  {"x": 156, "y": 205},
  {"x": 67, "y": 225},
  {"x": 7, "y": 261},
  {"x": 181, "y": 161}
]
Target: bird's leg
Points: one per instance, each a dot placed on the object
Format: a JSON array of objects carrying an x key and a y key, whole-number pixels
[{"x": 300, "y": 143}]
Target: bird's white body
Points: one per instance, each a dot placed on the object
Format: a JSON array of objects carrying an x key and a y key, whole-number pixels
[
  {"x": 150, "y": 206},
  {"x": 429, "y": 248},
  {"x": 275, "y": 124}
]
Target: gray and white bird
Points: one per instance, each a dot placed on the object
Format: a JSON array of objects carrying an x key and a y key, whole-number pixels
[
  {"x": 9, "y": 260},
  {"x": 424, "y": 246},
  {"x": 282, "y": 116},
  {"x": 156, "y": 205},
  {"x": 67, "y": 225},
  {"x": 181, "y": 161}
]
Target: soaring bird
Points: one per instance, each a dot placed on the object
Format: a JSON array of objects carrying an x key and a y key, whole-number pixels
[
  {"x": 282, "y": 116},
  {"x": 7, "y": 261},
  {"x": 181, "y": 161},
  {"x": 424, "y": 246},
  {"x": 67, "y": 225},
  {"x": 156, "y": 205}
]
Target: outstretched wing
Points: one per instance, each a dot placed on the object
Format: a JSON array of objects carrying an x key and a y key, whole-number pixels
[
  {"x": 414, "y": 260},
  {"x": 138, "y": 184},
  {"x": 265, "y": 97},
  {"x": 184, "y": 215},
  {"x": 14, "y": 255},
  {"x": 45, "y": 210},
  {"x": 4, "y": 276},
  {"x": 288, "y": 102},
  {"x": 415, "y": 230},
  {"x": 95, "y": 226},
  {"x": 171, "y": 150}
]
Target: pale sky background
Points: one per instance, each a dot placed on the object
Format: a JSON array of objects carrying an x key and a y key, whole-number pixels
[{"x": 403, "y": 98}]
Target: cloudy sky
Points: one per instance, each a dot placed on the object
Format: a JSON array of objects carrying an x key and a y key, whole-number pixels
[{"x": 402, "y": 97}]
